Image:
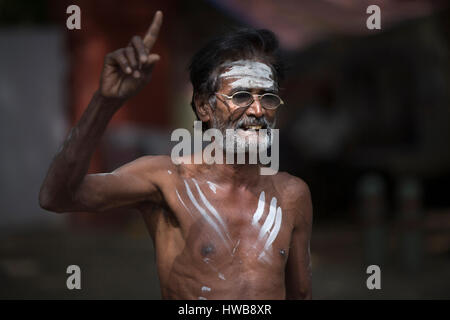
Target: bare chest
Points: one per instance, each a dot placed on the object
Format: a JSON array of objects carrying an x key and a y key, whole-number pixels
[{"x": 220, "y": 227}]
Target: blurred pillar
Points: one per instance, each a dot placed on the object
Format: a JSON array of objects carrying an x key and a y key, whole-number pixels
[
  {"x": 410, "y": 219},
  {"x": 372, "y": 211}
]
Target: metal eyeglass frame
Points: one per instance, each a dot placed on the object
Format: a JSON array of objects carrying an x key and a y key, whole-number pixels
[{"x": 253, "y": 95}]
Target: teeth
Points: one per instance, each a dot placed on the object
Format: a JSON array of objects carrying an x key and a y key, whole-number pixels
[{"x": 254, "y": 127}]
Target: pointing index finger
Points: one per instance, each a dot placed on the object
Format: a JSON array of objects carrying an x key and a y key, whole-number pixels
[{"x": 152, "y": 32}]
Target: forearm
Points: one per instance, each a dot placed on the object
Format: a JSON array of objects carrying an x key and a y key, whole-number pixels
[
  {"x": 71, "y": 163},
  {"x": 122, "y": 77}
]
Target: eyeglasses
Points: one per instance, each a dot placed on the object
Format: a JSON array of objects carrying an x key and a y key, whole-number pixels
[{"x": 243, "y": 99}]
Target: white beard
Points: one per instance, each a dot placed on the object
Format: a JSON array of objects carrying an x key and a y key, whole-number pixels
[{"x": 244, "y": 141}]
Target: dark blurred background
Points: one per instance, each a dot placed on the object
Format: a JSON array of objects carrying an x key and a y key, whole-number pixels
[{"x": 366, "y": 125}]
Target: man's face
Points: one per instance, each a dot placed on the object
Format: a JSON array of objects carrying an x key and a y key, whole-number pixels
[{"x": 254, "y": 77}]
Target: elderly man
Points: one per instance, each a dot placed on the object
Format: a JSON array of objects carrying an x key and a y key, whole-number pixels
[{"x": 221, "y": 231}]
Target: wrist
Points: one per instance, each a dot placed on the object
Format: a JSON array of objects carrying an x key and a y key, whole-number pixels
[{"x": 109, "y": 102}]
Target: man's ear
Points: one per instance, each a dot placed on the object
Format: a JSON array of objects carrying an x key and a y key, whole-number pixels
[{"x": 202, "y": 107}]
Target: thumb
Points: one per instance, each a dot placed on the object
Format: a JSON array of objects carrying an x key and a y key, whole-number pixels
[{"x": 152, "y": 58}]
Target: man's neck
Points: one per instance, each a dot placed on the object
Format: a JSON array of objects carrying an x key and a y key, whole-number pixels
[{"x": 236, "y": 174}]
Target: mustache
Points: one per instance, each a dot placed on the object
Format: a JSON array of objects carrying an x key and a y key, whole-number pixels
[{"x": 253, "y": 121}]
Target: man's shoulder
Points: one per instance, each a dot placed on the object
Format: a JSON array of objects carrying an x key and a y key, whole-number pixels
[
  {"x": 150, "y": 164},
  {"x": 294, "y": 192},
  {"x": 290, "y": 186}
]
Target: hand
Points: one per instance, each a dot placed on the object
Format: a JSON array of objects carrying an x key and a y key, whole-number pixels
[{"x": 127, "y": 70}]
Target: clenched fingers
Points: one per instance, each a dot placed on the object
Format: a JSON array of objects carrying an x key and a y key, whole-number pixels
[
  {"x": 139, "y": 47},
  {"x": 132, "y": 61},
  {"x": 118, "y": 57}
]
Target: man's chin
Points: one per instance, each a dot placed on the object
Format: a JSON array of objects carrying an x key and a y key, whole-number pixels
[
  {"x": 248, "y": 144},
  {"x": 242, "y": 140}
]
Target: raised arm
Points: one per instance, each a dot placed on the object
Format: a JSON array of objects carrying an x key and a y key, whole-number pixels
[
  {"x": 298, "y": 273},
  {"x": 67, "y": 187}
]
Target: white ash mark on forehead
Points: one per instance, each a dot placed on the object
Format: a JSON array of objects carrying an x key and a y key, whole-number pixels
[
  {"x": 248, "y": 73},
  {"x": 168, "y": 171},
  {"x": 247, "y": 67},
  {"x": 251, "y": 82}
]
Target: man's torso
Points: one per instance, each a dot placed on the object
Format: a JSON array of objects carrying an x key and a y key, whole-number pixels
[{"x": 217, "y": 240}]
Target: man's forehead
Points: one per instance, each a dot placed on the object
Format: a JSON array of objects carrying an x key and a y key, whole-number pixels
[
  {"x": 242, "y": 68},
  {"x": 247, "y": 74}
]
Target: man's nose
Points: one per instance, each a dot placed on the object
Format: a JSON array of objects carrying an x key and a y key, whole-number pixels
[{"x": 255, "y": 109}]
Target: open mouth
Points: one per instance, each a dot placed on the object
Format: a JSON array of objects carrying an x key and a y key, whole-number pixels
[{"x": 252, "y": 127}]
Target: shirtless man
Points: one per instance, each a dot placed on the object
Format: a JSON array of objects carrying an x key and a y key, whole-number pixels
[{"x": 220, "y": 231}]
